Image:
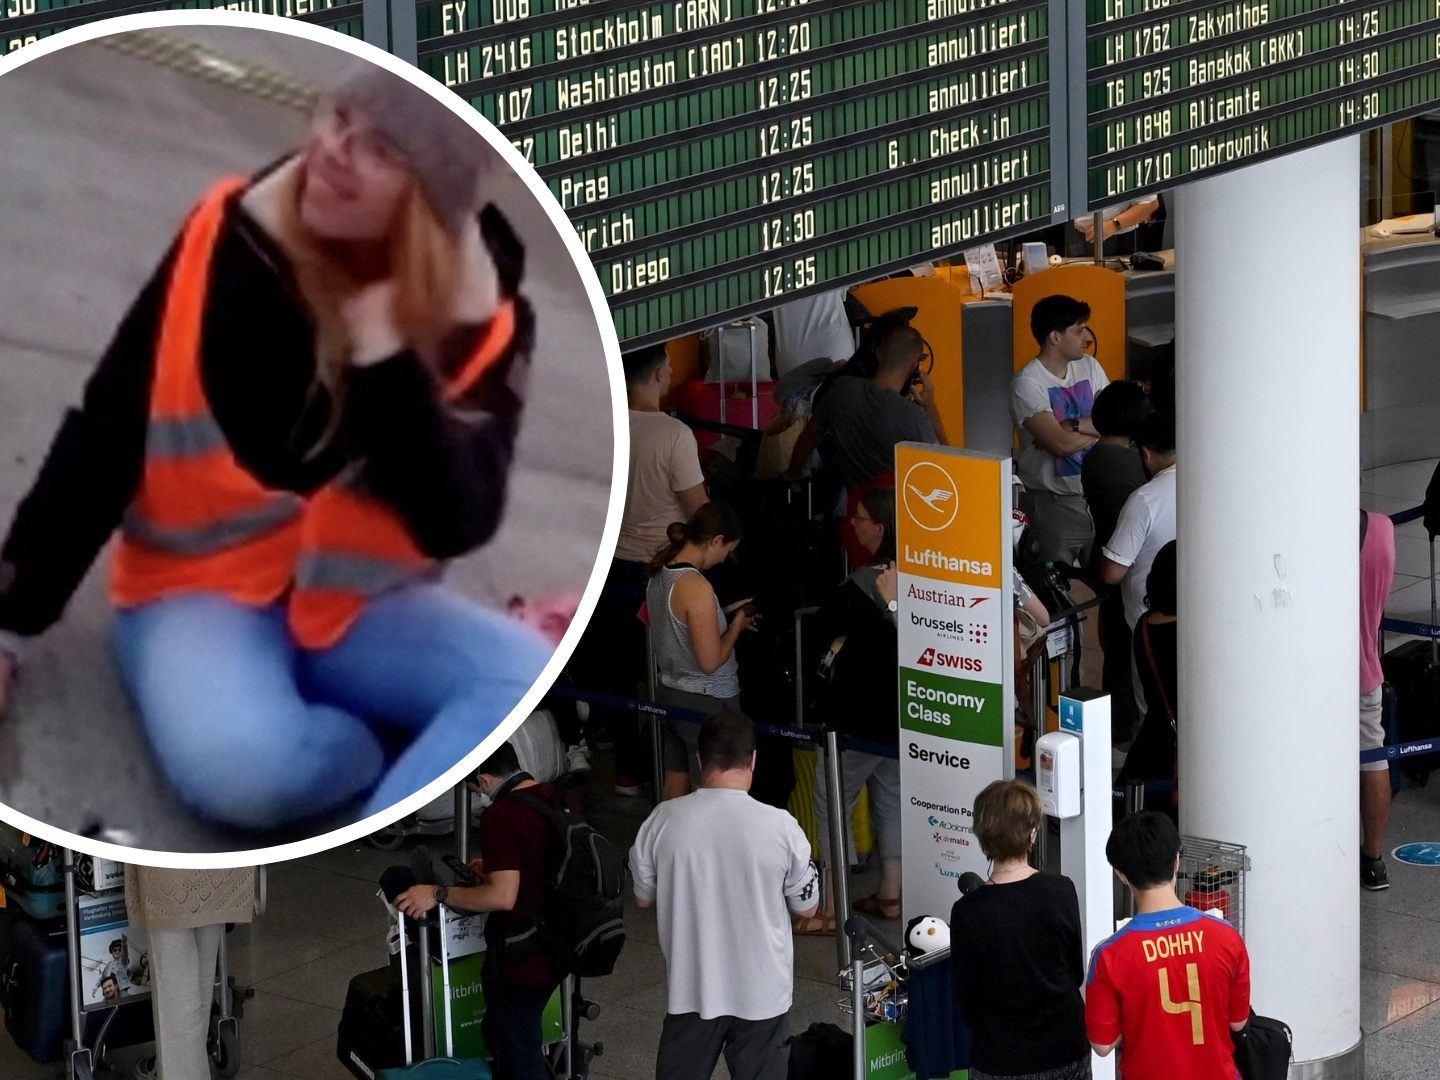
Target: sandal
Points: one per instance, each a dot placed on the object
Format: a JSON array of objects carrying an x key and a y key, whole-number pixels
[
  {"x": 814, "y": 926},
  {"x": 879, "y": 905}
]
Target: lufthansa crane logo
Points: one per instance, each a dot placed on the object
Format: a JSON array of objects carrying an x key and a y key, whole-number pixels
[{"x": 930, "y": 495}]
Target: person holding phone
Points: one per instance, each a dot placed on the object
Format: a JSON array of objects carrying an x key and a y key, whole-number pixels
[
  {"x": 312, "y": 403},
  {"x": 693, "y": 637}
]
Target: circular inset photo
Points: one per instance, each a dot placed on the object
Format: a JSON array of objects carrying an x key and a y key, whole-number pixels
[{"x": 308, "y": 415}]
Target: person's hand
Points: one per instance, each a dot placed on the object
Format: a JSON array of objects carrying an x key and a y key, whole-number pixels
[
  {"x": 476, "y": 867},
  {"x": 741, "y": 621},
  {"x": 730, "y": 609},
  {"x": 416, "y": 900},
  {"x": 888, "y": 582},
  {"x": 369, "y": 316}
]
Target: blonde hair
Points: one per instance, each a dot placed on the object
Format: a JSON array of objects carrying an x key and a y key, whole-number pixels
[{"x": 421, "y": 256}]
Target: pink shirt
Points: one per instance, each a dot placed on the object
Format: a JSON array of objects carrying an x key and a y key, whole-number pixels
[{"x": 1377, "y": 573}]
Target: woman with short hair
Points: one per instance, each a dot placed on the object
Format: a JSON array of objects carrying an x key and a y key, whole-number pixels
[{"x": 1017, "y": 951}]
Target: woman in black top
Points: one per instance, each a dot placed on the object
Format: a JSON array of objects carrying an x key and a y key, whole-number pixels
[
  {"x": 1018, "y": 952},
  {"x": 323, "y": 331},
  {"x": 1152, "y": 756}
]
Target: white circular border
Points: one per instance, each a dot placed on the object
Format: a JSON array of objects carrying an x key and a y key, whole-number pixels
[
  {"x": 619, "y": 471},
  {"x": 954, "y": 490}
]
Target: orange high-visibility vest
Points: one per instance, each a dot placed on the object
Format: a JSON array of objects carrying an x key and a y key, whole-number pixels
[
  {"x": 199, "y": 522},
  {"x": 354, "y": 547}
]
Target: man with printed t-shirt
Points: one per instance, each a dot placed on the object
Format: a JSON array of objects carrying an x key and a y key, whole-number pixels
[
  {"x": 725, "y": 874},
  {"x": 1170, "y": 988},
  {"x": 1051, "y": 399}
]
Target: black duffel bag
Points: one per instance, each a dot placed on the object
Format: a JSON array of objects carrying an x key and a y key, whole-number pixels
[{"x": 1263, "y": 1048}]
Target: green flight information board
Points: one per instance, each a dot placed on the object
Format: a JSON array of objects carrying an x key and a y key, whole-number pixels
[
  {"x": 723, "y": 156},
  {"x": 1178, "y": 89},
  {"x": 23, "y": 22},
  {"x": 720, "y": 157}
]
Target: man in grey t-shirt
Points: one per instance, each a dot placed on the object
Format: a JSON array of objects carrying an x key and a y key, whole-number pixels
[
  {"x": 725, "y": 873},
  {"x": 861, "y": 420}
]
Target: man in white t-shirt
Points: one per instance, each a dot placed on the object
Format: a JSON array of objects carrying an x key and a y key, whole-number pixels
[
  {"x": 1147, "y": 521},
  {"x": 725, "y": 874},
  {"x": 1051, "y": 399},
  {"x": 665, "y": 485}
]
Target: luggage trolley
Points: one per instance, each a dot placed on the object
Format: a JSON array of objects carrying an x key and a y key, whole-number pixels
[
  {"x": 875, "y": 984},
  {"x": 82, "y": 1060}
]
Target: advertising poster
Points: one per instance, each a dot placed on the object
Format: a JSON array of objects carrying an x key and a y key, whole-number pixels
[
  {"x": 114, "y": 957},
  {"x": 955, "y": 639}
]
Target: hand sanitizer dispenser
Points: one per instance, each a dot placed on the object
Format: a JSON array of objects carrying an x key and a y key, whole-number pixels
[{"x": 1057, "y": 773}]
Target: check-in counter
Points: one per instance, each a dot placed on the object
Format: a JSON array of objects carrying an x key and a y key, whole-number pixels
[{"x": 1401, "y": 401}]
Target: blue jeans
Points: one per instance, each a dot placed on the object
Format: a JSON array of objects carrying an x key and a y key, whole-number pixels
[{"x": 255, "y": 733}]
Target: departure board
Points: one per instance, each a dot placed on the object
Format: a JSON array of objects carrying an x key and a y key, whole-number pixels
[
  {"x": 23, "y": 22},
  {"x": 1177, "y": 89},
  {"x": 723, "y": 156}
]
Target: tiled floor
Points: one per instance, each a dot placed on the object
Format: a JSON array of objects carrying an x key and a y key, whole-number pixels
[{"x": 324, "y": 925}]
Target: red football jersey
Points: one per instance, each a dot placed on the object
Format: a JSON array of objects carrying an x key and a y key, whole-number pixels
[{"x": 1168, "y": 986}]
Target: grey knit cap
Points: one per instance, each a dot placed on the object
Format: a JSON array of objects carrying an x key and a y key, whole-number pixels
[{"x": 448, "y": 157}]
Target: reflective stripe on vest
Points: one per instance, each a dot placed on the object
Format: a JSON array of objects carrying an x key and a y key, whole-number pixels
[
  {"x": 354, "y": 547},
  {"x": 199, "y": 521}
]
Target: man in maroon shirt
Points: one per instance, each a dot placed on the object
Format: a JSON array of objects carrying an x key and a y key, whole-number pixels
[{"x": 518, "y": 976}]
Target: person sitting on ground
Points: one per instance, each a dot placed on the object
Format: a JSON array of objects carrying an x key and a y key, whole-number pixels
[
  {"x": 859, "y": 699},
  {"x": 857, "y": 422},
  {"x": 1152, "y": 756},
  {"x": 1051, "y": 401},
  {"x": 1018, "y": 950},
  {"x": 694, "y": 641},
  {"x": 1147, "y": 983}
]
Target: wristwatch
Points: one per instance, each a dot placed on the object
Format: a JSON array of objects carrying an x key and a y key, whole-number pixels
[
  {"x": 441, "y": 893},
  {"x": 1075, "y": 426}
]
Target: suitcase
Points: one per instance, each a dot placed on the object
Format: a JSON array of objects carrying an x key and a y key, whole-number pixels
[
  {"x": 35, "y": 992},
  {"x": 1413, "y": 670},
  {"x": 737, "y": 351},
  {"x": 381, "y": 1016},
  {"x": 31, "y": 875},
  {"x": 1390, "y": 717}
]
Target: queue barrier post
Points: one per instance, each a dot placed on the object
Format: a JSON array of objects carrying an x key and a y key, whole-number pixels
[{"x": 835, "y": 794}]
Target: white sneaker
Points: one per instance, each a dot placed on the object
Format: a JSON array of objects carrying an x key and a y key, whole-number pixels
[{"x": 577, "y": 758}]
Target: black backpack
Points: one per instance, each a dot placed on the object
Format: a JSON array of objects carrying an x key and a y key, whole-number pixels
[
  {"x": 1263, "y": 1048},
  {"x": 821, "y": 1052},
  {"x": 582, "y": 917}
]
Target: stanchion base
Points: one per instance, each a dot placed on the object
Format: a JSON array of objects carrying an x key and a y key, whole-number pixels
[{"x": 1346, "y": 1065}]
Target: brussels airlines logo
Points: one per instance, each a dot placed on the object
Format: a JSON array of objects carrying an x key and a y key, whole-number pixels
[
  {"x": 930, "y": 496},
  {"x": 930, "y": 658}
]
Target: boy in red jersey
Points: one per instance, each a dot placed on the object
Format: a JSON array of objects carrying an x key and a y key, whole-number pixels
[{"x": 1170, "y": 987}]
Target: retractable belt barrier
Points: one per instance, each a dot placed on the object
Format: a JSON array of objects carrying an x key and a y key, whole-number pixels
[{"x": 808, "y": 734}]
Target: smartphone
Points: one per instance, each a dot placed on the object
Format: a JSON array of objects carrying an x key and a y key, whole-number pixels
[{"x": 463, "y": 874}]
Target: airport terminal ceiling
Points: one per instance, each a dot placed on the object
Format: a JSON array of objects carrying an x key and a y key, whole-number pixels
[{"x": 718, "y": 157}]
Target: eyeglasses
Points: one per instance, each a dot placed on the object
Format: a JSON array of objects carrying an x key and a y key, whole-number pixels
[{"x": 367, "y": 143}]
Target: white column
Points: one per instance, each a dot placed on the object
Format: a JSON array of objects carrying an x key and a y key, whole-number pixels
[{"x": 1268, "y": 336}]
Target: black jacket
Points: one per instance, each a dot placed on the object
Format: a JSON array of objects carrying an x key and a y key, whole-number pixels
[
  {"x": 861, "y": 695},
  {"x": 442, "y": 469}
]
